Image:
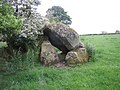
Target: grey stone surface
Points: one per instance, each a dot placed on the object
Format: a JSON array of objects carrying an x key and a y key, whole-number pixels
[
  {"x": 62, "y": 37},
  {"x": 48, "y": 55}
]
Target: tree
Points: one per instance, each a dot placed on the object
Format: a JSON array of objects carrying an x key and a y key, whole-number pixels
[
  {"x": 104, "y": 32},
  {"x": 32, "y": 21},
  {"x": 57, "y": 14},
  {"x": 9, "y": 24},
  {"x": 23, "y": 6},
  {"x": 117, "y": 31}
]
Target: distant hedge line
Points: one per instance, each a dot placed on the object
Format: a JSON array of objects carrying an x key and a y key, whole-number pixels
[{"x": 99, "y": 34}]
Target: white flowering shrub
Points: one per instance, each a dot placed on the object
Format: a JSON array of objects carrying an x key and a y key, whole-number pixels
[{"x": 32, "y": 26}]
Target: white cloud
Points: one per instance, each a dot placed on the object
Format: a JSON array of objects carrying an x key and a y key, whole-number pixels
[{"x": 89, "y": 16}]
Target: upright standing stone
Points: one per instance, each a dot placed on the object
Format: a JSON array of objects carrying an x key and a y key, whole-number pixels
[
  {"x": 76, "y": 56},
  {"x": 48, "y": 54}
]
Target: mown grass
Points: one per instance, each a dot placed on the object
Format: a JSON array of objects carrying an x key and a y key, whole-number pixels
[{"x": 102, "y": 74}]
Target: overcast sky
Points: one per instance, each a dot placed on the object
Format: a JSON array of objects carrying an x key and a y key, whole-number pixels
[{"x": 89, "y": 16}]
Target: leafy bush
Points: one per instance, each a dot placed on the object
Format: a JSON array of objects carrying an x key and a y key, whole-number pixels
[
  {"x": 9, "y": 24},
  {"x": 21, "y": 43}
]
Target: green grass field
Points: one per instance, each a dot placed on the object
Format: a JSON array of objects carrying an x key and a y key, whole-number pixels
[{"x": 102, "y": 74}]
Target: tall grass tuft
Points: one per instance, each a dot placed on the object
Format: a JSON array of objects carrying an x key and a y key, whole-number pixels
[
  {"x": 22, "y": 61},
  {"x": 91, "y": 51}
]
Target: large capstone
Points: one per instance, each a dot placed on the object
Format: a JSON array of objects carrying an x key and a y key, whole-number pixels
[{"x": 62, "y": 37}]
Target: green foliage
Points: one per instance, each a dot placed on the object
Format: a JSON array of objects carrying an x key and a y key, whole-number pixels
[
  {"x": 9, "y": 24},
  {"x": 26, "y": 33},
  {"x": 6, "y": 9},
  {"x": 117, "y": 31},
  {"x": 20, "y": 61},
  {"x": 21, "y": 43},
  {"x": 91, "y": 51},
  {"x": 16, "y": 33},
  {"x": 57, "y": 14},
  {"x": 3, "y": 44},
  {"x": 54, "y": 20}
]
